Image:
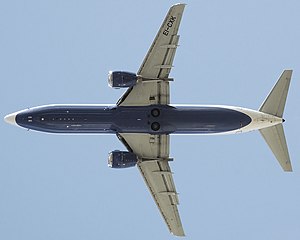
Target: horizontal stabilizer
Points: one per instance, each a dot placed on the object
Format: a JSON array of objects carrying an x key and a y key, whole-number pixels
[
  {"x": 275, "y": 138},
  {"x": 275, "y": 102}
]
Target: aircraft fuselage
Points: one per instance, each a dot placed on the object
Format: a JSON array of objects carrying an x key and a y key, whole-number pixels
[{"x": 152, "y": 119}]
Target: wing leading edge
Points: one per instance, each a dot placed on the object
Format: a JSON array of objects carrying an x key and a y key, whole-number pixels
[{"x": 153, "y": 155}]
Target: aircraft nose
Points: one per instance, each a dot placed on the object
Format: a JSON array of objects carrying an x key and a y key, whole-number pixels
[{"x": 11, "y": 118}]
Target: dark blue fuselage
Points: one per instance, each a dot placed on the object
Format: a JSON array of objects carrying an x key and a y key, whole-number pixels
[{"x": 153, "y": 119}]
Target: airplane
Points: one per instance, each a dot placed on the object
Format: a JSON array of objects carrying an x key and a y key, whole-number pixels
[{"x": 143, "y": 119}]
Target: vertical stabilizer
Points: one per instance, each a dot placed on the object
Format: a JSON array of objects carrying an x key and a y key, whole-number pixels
[
  {"x": 275, "y": 102},
  {"x": 274, "y": 105}
]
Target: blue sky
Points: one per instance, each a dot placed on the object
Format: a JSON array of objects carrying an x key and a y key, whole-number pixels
[{"x": 231, "y": 187}]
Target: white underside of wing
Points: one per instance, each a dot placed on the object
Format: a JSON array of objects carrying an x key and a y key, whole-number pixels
[{"x": 153, "y": 154}]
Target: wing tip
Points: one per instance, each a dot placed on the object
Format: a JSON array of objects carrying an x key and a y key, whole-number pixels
[
  {"x": 178, "y": 234},
  {"x": 288, "y": 167},
  {"x": 178, "y": 5}
]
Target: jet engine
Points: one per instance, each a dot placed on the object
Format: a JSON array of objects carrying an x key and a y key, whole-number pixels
[
  {"x": 120, "y": 79},
  {"x": 121, "y": 159}
]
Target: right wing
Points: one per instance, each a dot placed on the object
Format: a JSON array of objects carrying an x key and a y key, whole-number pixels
[
  {"x": 153, "y": 84},
  {"x": 153, "y": 154}
]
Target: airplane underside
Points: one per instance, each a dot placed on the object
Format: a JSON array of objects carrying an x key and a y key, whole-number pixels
[
  {"x": 155, "y": 119},
  {"x": 143, "y": 119}
]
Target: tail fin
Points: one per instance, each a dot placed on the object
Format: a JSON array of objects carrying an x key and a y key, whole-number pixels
[{"x": 274, "y": 105}]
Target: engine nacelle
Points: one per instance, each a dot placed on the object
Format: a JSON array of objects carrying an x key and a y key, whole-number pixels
[
  {"x": 121, "y": 159},
  {"x": 119, "y": 79}
]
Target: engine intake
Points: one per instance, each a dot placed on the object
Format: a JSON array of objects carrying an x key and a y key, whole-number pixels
[
  {"x": 120, "y": 79},
  {"x": 121, "y": 159}
]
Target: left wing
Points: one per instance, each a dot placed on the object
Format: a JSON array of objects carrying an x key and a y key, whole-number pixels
[
  {"x": 153, "y": 155},
  {"x": 153, "y": 84}
]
